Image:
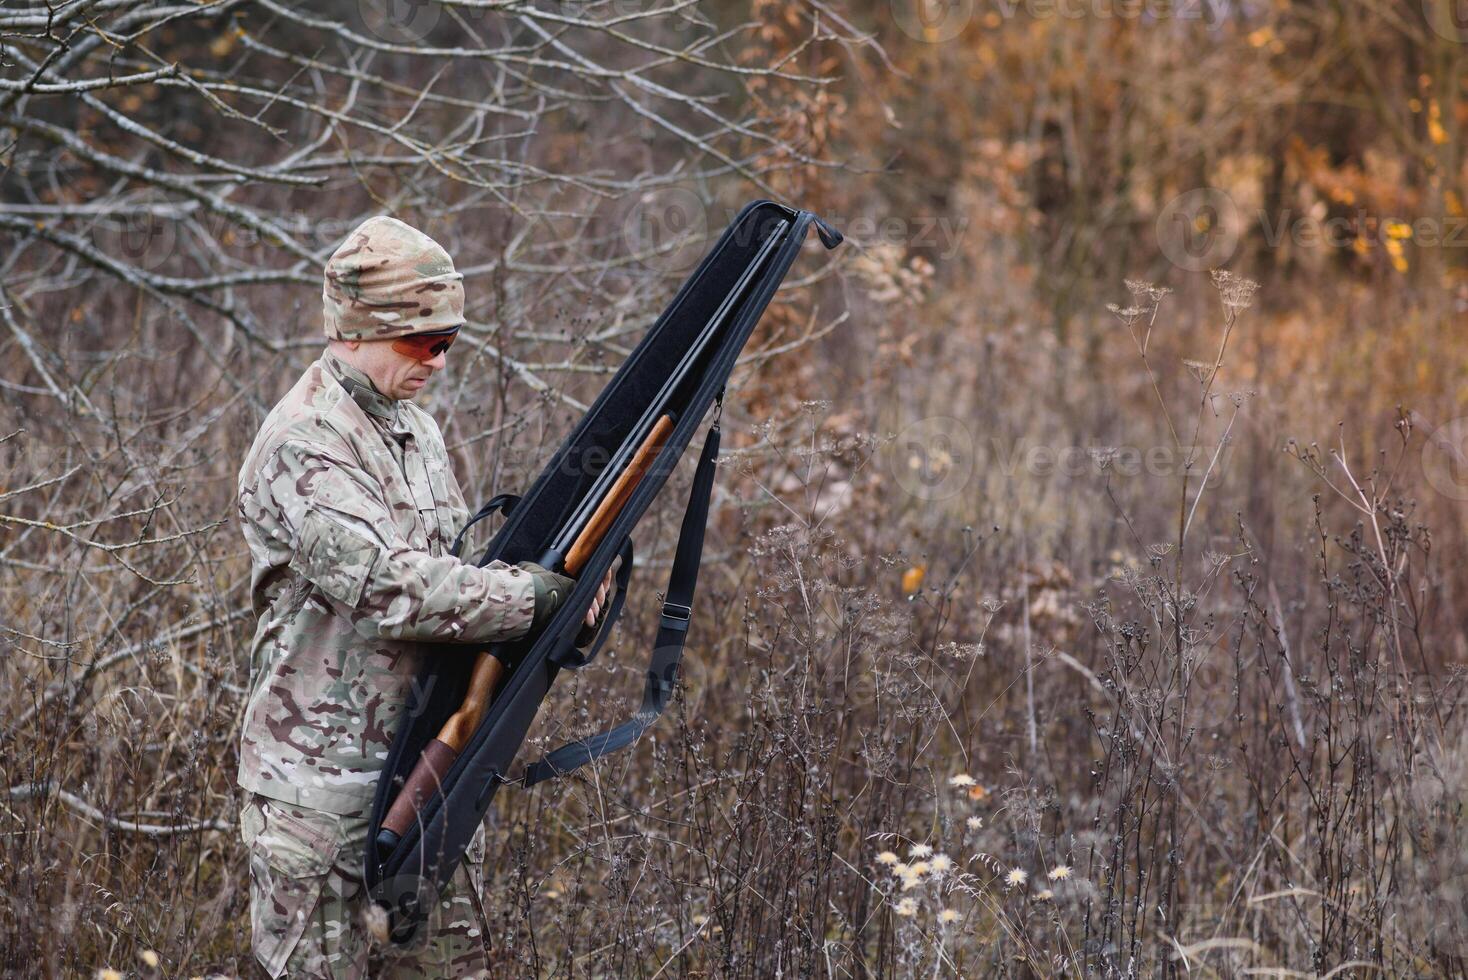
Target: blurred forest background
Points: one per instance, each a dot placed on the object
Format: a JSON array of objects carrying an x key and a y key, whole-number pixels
[{"x": 1086, "y": 589}]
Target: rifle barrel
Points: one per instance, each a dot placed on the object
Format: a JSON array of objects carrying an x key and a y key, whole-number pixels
[{"x": 655, "y": 408}]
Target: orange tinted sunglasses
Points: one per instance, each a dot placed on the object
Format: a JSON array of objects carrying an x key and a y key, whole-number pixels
[{"x": 425, "y": 346}]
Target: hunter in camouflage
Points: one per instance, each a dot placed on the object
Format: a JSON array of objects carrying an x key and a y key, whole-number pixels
[{"x": 349, "y": 506}]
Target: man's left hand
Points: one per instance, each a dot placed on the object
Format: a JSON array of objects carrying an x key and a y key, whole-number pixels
[{"x": 603, "y": 592}]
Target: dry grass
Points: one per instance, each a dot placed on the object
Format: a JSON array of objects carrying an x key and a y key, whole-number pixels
[{"x": 1128, "y": 751}]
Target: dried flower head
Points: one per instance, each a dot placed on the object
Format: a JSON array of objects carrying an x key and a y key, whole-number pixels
[
  {"x": 1236, "y": 292},
  {"x": 941, "y": 863},
  {"x": 1126, "y": 314},
  {"x": 1060, "y": 872},
  {"x": 887, "y": 857},
  {"x": 919, "y": 869},
  {"x": 1044, "y": 895},
  {"x": 906, "y": 907},
  {"x": 960, "y": 780},
  {"x": 1216, "y": 560},
  {"x": 948, "y": 916},
  {"x": 1145, "y": 293},
  {"x": 919, "y": 851},
  {"x": 974, "y": 823},
  {"x": 1016, "y": 877},
  {"x": 1198, "y": 369}
]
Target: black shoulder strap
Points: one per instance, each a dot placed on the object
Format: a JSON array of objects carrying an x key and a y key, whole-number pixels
[{"x": 662, "y": 671}]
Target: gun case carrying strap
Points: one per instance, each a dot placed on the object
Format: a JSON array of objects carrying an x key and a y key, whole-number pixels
[
  {"x": 500, "y": 502},
  {"x": 662, "y": 670}
]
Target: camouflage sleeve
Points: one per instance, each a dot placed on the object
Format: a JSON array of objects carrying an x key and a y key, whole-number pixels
[{"x": 345, "y": 542}]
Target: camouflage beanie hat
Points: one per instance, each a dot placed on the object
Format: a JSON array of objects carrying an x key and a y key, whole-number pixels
[{"x": 389, "y": 279}]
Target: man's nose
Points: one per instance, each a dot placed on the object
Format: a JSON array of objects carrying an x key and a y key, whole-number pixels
[{"x": 439, "y": 361}]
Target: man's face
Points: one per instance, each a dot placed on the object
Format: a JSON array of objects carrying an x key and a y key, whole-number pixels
[{"x": 396, "y": 375}]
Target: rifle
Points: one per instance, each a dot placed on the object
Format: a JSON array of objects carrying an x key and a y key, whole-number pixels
[{"x": 568, "y": 554}]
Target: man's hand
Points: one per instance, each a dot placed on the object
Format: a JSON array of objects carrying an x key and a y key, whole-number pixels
[
  {"x": 591, "y": 625},
  {"x": 593, "y": 611},
  {"x": 551, "y": 589}
]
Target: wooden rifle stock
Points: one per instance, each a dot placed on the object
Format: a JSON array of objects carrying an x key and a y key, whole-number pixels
[{"x": 489, "y": 669}]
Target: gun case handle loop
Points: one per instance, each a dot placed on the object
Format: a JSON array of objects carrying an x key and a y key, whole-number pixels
[
  {"x": 503, "y": 501},
  {"x": 568, "y": 655}
]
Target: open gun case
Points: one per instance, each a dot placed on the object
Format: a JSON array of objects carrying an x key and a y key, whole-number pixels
[{"x": 680, "y": 368}]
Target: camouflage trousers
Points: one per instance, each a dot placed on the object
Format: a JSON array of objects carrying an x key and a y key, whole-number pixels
[{"x": 309, "y": 912}]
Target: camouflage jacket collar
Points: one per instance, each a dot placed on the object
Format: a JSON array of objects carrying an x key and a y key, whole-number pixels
[{"x": 360, "y": 387}]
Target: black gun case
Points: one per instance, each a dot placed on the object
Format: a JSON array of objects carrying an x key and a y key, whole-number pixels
[{"x": 733, "y": 283}]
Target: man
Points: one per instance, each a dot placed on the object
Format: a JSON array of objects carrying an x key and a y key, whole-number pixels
[{"x": 349, "y": 507}]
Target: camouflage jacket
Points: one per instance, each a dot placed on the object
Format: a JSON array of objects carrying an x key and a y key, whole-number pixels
[{"x": 349, "y": 507}]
